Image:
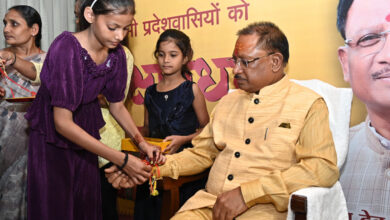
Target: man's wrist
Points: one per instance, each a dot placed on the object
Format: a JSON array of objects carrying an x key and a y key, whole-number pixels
[{"x": 164, "y": 171}]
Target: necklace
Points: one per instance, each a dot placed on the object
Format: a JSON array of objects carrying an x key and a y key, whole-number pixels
[{"x": 166, "y": 97}]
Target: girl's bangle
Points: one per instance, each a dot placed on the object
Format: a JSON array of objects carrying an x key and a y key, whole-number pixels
[
  {"x": 14, "y": 59},
  {"x": 124, "y": 161}
]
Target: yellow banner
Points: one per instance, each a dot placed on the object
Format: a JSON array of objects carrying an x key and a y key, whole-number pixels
[{"x": 310, "y": 27}]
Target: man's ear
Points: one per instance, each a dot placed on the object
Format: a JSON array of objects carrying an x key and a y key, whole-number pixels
[
  {"x": 34, "y": 29},
  {"x": 343, "y": 58},
  {"x": 276, "y": 62},
  {"x": 89, "y": 15}
]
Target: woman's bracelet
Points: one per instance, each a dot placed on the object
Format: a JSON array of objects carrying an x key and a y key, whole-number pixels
[
  {"x": 14, "y": 59},
  {"x": 124, "y": 161}
]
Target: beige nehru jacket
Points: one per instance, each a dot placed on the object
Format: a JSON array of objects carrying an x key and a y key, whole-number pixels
[{"x": 271, "y": 144}]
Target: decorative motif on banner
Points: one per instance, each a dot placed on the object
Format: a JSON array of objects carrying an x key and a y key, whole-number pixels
[{"x": 198, "y": 66}]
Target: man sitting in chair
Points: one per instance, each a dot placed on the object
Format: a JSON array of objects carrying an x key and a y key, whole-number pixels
[
  {"x": 263, "y": 142},
  {"x": 365, "y": 177}
]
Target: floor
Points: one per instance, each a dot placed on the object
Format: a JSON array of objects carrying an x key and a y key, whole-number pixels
[{"x": 125, "y": 217}]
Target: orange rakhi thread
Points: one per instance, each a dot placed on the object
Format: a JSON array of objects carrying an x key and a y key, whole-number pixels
[
  {"x": 153, "y": 178},
  {"x": 4, "y": 74}
]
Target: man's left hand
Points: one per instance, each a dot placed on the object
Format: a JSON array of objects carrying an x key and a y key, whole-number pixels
[{"x": 229, "y": 205}]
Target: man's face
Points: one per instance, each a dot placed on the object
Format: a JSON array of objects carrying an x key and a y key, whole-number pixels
[
  {"x": 367, "y": 69},
  {"x": 258, "y": 74}
]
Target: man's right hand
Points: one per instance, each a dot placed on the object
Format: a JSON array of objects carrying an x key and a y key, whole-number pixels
[
  {"x": 229, "y": 205},
  {"x": 117, "y": 178}
]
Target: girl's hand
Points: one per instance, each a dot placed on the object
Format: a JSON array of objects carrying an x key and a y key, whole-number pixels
[
  {"x": 136, "y": 170},
  {"x": 176, "y": 142},
  {"x": 117, "y": 178},
  {"x": 152, "y": 152},
  {"x": 2, "y": 92}
]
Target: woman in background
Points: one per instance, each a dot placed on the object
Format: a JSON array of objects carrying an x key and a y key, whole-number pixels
[{"x": 22, "y": 32}]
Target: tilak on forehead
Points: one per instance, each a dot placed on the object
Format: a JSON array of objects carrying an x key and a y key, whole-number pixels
[
  {"x": 238, "y": 47},
  {"x": 247, "y": 45},
  {"x": 388, "y": 18}
]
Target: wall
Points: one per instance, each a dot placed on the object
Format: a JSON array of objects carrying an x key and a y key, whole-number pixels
[
  {"x": 56, "y": 15},
  {"x": 310, "y": 27}
]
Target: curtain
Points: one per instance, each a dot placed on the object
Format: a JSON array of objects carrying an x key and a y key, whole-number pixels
[{"x": 57, "y": 16}]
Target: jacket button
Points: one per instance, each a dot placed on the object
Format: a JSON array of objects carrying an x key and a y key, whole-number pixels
[
  {"x": 251, "y": 120},
  {"x": 230, "y": 177},
  {"x": 237, "y": 154},
  {"x": 256, "y": 101},
  {"x": 247, "y": 141}
]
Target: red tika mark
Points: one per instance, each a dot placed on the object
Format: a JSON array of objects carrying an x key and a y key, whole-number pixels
[{"x": 388, "y": 18}]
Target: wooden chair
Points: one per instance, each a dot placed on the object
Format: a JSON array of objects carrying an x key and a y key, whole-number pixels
[
  {"x": 298, "y": 208},
  {"x": 171, "y": 204},
  {"x": 167, "y": 186},
  {"x": 170, "y": 191},
  {"x": 314, "y": 202}
]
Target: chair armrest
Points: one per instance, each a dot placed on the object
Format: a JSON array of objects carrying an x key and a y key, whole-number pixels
[
  {"x": 321, "y": 203},
  {"x": 298, "y": 205}
]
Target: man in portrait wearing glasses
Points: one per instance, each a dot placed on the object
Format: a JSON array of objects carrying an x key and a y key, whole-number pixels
[
  {"x": 365, "y": 60},
  {"x": 263, "y": 142}
]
